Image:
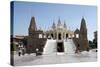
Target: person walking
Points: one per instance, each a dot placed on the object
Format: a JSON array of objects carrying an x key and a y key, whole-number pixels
[{"x": 19, "y": 52}]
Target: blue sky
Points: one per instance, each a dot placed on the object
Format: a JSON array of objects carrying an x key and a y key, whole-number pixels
[{"x": 46, "y": 13}]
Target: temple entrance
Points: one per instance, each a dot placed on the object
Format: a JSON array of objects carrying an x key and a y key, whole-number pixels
[
  {"x": 66, "y": 35},
  {"x": 59, "y": 36},
  {"x": 52, "y": 35},
  {"x": 60, "y": 47}
]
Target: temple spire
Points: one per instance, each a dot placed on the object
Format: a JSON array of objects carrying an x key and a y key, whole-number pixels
[
  {"x": 65, "y": 25},
  {"x": 53, "y": 26},
  {"x": 83, "y": 36},
  {"x": 83, "y": 25},
  {"x": 32, "y": 26},
  {"x": 59, "y": 22}
]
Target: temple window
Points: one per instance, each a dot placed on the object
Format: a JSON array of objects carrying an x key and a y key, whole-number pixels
[
  {"x": 44, "y": 36},
  {"x": 40, "y": 35},
  {"x": 77, "y": 35},
  {"x": 72, "y": 35}
]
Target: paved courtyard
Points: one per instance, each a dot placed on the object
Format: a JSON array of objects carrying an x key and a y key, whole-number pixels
[{"x": 55, "y": 59}]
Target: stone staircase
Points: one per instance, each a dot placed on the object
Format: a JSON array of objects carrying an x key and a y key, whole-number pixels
[
  {"x": 50, "y": 47},
  {"x": 69, "y": 46}
]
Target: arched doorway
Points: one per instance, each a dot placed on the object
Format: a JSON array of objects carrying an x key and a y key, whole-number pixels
[
  {"x": 67, "y": 35},
  {"x": 60, "y": 47},
  {"x": 59, "y": 36},
  {"x": 52, "y": 35}
]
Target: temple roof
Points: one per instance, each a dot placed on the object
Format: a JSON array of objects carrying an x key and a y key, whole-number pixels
[{"x": 77, "y": 31}]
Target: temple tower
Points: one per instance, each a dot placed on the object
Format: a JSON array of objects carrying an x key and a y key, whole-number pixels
[
  {"x": 83, "y": 36},
  {"x": 32, "y": 26}
]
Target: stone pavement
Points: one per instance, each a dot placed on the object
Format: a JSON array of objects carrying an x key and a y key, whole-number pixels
[{"x": 31, "y": 59}]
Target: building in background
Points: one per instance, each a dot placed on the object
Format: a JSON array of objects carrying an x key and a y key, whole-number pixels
[{"x": 95, "y": 41}]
